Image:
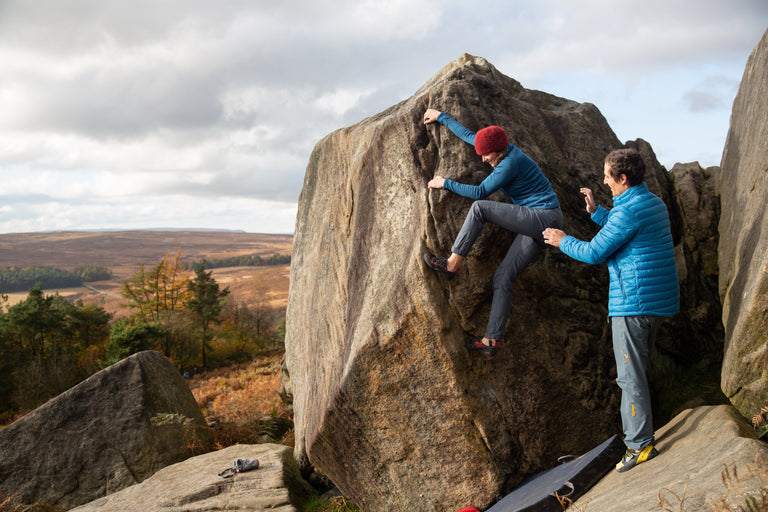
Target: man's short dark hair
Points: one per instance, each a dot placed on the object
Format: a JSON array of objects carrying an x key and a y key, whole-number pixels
[{"x": 627, "y": 162}]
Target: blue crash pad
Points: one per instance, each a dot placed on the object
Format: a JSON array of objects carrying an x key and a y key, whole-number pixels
[{"x": 535, "y": 494}]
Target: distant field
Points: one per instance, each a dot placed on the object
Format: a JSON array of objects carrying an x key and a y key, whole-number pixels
[{"x": 123, "y": 252}]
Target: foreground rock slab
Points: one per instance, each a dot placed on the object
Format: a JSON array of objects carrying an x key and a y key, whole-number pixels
[
  {"x": 694, "y": 450},
  {"x": 110, "y": 431},
  {"x": 194, "y": 485}
]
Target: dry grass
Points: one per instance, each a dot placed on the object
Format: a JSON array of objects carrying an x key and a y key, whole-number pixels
[
  {"x": 335, "y": 504},
  {"x": 760, "y": 422},
  {"x": 250, "y": 285},
  {"x": 567, "y": 503},
  {"x": 746, "y": 491},
  {"x": 670, "y": 501},
  {"x": 234, "y": 398},
  {"x": 10, "y": 504}
]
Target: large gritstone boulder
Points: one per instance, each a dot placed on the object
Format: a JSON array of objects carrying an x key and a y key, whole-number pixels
[
  {"x": 112, "y": 430},
  {"x": 388, "y": 402},
  {"x": 743, "y": 249}
]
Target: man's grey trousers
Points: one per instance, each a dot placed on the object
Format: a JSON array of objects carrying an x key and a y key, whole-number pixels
[{"x": 633, "y": 341}]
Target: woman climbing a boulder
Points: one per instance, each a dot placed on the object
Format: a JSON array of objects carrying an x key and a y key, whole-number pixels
[{"x": 534, "y": 208}]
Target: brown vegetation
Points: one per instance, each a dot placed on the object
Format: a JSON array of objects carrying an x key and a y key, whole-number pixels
[
  {"x": 235, "y": 397},
  {"x": 750, "y": 488},
  {"x": 9, "y": 503}
]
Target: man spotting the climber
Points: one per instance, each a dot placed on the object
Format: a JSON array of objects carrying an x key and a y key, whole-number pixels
[
  {"x": 535, "y": 207},
  {"x": 636, "y": 241}
]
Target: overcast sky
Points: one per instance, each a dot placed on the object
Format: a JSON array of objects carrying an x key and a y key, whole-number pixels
[{"x": 203, "y": 114}]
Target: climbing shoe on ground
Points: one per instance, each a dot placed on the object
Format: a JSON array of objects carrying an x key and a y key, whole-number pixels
[
  {"x": 632, "y": 458},
  {"x": 440, "y": 265},
  {"x": 476, "y": 344}
]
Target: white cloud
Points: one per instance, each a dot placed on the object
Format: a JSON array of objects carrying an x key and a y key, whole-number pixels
[
  {"x": 712, "y": 93},
  {"x": 147, "y": 212},
  {"x": 203, "y": 114},
  {"x": 342, "y": 100},
  {"x": 628, "y": 38}
]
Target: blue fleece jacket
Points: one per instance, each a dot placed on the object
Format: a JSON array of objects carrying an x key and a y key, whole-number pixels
[
  {"x": 517, "y": 175},
  {"x": 636, "y": 241}
]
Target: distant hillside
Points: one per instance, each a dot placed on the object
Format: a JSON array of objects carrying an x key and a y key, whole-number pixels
[{"x": 123, "y": 252}]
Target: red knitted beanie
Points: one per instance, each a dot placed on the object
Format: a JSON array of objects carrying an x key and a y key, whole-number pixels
[{"x": 491, "y": 138}]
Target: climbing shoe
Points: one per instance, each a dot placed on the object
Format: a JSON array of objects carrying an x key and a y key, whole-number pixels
[
  {"x": 632, "y": 458},
  {"x": 440, "y": 265},
  {"x": 476, "y": 344}
]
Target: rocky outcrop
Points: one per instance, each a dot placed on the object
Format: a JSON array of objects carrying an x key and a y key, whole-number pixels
[
  {"x": 706, "y": 455},
  {"x": 698, "y": 211},
  {"x": 194, "y": 485},
  {"x": 388, "y": 403},
  {"x": 113, "y": 430},
  {"x": 743, "y": 249},
  {"x": 685, "y": 368}
]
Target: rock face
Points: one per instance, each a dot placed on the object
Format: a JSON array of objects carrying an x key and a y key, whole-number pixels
[
  {"x": 194, "y": 485},
  {"x": 698, "y": 211},
  {"x": 743, "y": 249},
  {"x": 685, "y": 368},
  {"x": 112, "y": 430},
  {"x": 388, "y": 403},
  {"x": 681, "y": 471}
]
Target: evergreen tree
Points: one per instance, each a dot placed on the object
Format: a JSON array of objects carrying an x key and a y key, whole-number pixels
[
  {"x": 88, "y": 324},
  {"x": 10, "y": 357},
  {"x": 128, "y": 338},
  {"x": 205, "y": 302},
  {"x": 43, "y": 340},
  {"x": 36, "y": 322}
]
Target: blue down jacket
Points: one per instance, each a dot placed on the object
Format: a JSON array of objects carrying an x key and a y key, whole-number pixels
[{"x": 636, "y": 240}]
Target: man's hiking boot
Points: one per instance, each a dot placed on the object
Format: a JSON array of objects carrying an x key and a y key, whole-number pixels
[
  {"x": 632, "y": 458},
  {"x": 477, "y": 344},
  {"x": 440, "y": 265}
]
